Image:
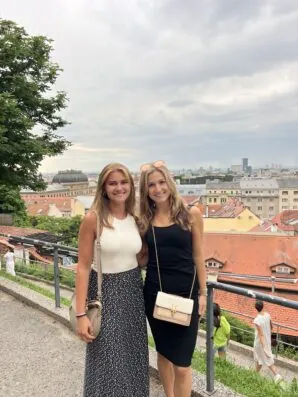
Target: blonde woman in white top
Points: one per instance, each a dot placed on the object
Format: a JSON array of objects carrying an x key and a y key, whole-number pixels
[{"x": 117, "y": 360}]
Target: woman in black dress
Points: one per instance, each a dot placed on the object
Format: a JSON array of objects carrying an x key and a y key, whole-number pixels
[{"x": 178, "y": 233}]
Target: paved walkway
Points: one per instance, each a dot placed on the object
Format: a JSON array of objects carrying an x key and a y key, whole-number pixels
[
  {"x": 39, "y": 357},
  {"x": 237, "y": 357}
]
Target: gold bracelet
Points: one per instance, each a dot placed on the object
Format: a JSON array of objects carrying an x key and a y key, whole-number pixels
[{"x": 203, "y": 292}]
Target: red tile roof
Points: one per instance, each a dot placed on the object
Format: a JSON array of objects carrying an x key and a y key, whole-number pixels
[
  {"x": 287, "y": 220},
  {"x": 62, "y": 203},
  {"x": 37, "y": 209},
  {"x": 231, "y": 209},
  {"x": 19, "y": 231},
  {"x": 190, "y": 199},
  {"x": 250, "y": 253},
  {"x": 266, "y": 226}
]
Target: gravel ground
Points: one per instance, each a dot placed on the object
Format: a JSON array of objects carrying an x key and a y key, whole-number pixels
[{"x": 39, "y": 356}]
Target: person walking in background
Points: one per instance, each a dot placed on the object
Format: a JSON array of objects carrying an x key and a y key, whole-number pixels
[
  {"x": 117, "y": 360},
  {"x": 262, "y": 343},
  {"x": 221, "y": 332},
  {"x": 9, "y": 257},
  {"x": 173, "y": 235}
]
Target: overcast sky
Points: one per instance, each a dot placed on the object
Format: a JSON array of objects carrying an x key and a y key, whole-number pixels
[{"x": 193, "y": 82}]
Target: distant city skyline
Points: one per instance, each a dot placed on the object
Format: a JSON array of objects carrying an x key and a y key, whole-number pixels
[{"x": 194, "y": 83}]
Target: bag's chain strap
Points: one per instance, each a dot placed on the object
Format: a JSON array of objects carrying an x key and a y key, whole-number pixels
[{"x": 157, "y": 263}]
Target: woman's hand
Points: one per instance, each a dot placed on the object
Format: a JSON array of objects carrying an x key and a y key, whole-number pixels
[
  {"x": 202, "y": 304},
  {"x": 84, "y": 329}
]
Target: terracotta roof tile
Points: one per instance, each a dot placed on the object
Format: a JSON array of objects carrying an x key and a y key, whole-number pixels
[
  {"x": 287, "y": 220},
  {"x": 189, "y": 199},
  {"x": 250, "y": 253},
  {"x": 19, "y": 231},
  {"x": 38, "y": 209},
  {"x": 230, "y": 210}
]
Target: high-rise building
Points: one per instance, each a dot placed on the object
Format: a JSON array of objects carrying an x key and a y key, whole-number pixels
[{"x": 244, "y": 164}]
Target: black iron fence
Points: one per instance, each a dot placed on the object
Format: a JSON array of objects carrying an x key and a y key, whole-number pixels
[{"x": 211, "y": 285}]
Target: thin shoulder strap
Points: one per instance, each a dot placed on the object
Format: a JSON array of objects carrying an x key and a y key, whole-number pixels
[
  {"x": 98, "y": 257},
  {"x": 158, "y": 270}
]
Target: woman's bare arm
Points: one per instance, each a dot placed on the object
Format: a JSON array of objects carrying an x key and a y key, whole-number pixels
[
  {"x": 87, "y": 236},
  {"x": 198, "y": 257}
]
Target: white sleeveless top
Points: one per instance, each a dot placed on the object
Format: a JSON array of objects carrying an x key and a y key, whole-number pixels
[{"x": 120, "y": 245}]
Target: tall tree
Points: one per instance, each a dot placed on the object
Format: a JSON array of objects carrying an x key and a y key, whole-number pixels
[{"x": 29, "y": 107}]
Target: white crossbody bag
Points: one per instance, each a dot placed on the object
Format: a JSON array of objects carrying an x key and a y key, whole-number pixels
[{"x": 169, "y": 307}]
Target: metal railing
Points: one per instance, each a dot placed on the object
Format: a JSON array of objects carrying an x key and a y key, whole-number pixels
[
  {"x": 275, "y": 325},
  {"x": 55, "y": 247},
  {"x": 211, "y": 285}
]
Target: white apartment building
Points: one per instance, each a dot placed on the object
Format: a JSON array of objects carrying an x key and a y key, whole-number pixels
[
  {"x": 261, "y": 196},
  {"x": 288, "y": 194}
]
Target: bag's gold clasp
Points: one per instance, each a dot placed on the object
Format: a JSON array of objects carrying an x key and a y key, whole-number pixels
[{"x": 173, "y": 310}]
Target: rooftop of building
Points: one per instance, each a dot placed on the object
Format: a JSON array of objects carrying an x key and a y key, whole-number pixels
[
  {"x": 259, "y": 183},
  {"x": 223, "y": 185},
  {"x": 70, "y": 176},
  {"x": 288, "y": 183},
  {"x": 251, "y": 253}
]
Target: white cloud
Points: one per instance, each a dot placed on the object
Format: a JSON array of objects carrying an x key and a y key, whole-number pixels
[{"x": 196, "y": 82}]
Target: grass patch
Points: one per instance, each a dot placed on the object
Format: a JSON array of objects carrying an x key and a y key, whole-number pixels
[
  {"x": 34, "y": 287},
  {"x": 242, "y": 380},
  {"x": 46, "y": 272}
]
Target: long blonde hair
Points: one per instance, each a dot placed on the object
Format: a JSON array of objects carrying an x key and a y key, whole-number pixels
[
  {"x": 100, "y": 203},
  {"x": 179, "y": 213}
]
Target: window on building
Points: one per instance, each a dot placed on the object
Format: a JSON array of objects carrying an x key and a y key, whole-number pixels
[
  {"x": 260, "y": 208},
  {"x": 215, "y": 200},
  {"x": 232, "y": 192},
  {"x": 296, "y": 192},
  {"x": 271, "y": 208},
  {"x": 295, "y": 207},
  {"x": 260, "y": 200},
  {"x": 210, "y": 200},
  {"x": 283, "y": 269},
  {"x": 271, "y": 200},
  {"x": 248, "y": 200},
  {"x": 295, "y": 200},
  {"x": 284, "y": 207},
  {"x": 284, "y": 200},
  {"x": 285, "y": 192},
  {"x": 213, "y": 264}
]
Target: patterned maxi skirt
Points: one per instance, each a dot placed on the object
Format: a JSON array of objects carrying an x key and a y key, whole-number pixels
[{"x": 117, "y": 360}]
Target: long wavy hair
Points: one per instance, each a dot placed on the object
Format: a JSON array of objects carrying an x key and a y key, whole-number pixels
[
  {"x": 101, "y": 200},
  {"x": 179, "y": 212}
]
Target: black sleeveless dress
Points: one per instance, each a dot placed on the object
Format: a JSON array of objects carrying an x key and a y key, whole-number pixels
[{"x": 174, "y": 247}]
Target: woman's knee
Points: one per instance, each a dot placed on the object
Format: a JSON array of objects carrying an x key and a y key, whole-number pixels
[
  {"x": 182, "y": 372},
  {"x": 163, "y": 360}
]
